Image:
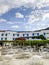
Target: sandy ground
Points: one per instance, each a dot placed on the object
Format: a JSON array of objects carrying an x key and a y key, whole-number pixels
[
  {"x": 28, "y": 61},
  {"x": 46, "y": 62},
  {"x": 24, "y": 62}
]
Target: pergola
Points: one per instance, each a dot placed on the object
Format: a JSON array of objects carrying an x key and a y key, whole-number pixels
[{"x": 21, "y": 38}]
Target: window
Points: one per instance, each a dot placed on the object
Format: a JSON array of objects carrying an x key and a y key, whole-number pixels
[
  {"x": 33, "y": 34},
  {"x": 13, "y": 38},
  {"x": 2, "y": 34},
  {"x": 27, "y": 34},
  {"x": 27, "y": 37},
  {"x": 17, "y": 34},
  {"x": 32, "y": 37},
  {"x": 5, "y": 38},
  {"x": 44, "y": 33},
  {"x": 1, "y": 38},
  {"x": 23, "y": 34},
  {"x": 37, "y": 34},
  {"x": 13, "y": 34},
  {"x": 6, "y": 34}
]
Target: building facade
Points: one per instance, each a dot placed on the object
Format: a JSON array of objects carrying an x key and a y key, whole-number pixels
[{"x": 12, "y": 35}]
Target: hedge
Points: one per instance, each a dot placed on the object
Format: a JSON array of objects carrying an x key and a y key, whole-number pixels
[{"x": 28, "y": 42}]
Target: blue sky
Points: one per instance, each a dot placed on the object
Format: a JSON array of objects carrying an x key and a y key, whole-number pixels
[{"x": 24, "y": 15}]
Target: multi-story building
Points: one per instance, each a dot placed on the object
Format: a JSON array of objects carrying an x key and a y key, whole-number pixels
[{"x": 12, "y": 35}]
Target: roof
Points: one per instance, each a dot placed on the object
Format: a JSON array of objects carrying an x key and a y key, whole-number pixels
[
  {"x": 25, "y": 31},
  {"x": 41, "y": 29}
]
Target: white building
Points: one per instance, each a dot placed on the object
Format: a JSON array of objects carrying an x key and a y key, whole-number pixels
[{"x": 11, "y": 35}]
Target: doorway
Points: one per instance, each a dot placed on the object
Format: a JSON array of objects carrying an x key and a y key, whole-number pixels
[{"x": 1, "y": 44}]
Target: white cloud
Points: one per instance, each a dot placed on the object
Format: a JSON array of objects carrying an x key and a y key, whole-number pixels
[
  {"x": 42, "y": 3},
  {"x": 37, "y": 19},
  {"x": 35, "y": 16},
  {"x": 10, "y": 22},
  {"x": 45, "y": 16},
  {"x": 28, "y": 27},
  {"x": 3, "y": 9},
  {"x": 15, "y": 26},
  {"x": 6, "y": 5},
  {"x": 19, "y": 15},
  {"x": 2, "y": 20},
  {"x": 32, "y": 19},
  {"x": 24, "y": 9},
  {"x": 38, "y": 24}
]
